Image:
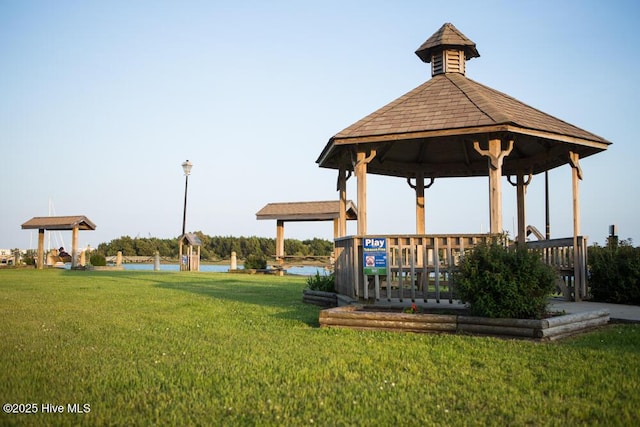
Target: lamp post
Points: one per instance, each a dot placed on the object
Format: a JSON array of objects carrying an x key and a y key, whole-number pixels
[{"x": 186, "y": 167}]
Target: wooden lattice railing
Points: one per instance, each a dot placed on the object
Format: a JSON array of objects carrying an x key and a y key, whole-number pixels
[{"x": 421, "y": 267}]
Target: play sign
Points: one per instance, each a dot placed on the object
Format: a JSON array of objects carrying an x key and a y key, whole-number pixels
[{"x": 374, "y": 252}]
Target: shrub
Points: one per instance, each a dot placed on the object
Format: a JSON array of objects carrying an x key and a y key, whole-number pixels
[
  {"x": 614, "y": 273},
  {"x": 325, "y": 282},
  {"x": 256, "y": 262},
  {"x": 98, "y": 260},
  {"x": 510, "y": 283}
]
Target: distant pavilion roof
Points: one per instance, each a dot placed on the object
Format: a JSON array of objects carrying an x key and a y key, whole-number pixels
[
  {"x": 59, "y": 223},
  {"x": 306, "y": 211}
]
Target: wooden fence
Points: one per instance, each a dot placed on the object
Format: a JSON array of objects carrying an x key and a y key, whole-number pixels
[{"x": 421, "y": 267}]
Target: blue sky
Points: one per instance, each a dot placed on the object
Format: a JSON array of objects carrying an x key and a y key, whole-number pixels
[{"x": 100, "y": 103}]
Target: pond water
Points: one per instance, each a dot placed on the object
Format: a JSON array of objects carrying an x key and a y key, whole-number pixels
[{"x": 306, "y": 270}]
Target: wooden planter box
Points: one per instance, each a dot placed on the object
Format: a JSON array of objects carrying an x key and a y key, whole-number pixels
[{"x": 359, "y": 317}]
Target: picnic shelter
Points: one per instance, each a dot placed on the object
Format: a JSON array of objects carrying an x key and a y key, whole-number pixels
[
  {"x": 338, "y": 211},
  {"x": 58, "y": 223}
]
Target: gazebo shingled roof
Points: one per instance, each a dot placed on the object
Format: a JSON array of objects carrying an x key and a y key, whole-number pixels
[{"x": 431, "y": 130}]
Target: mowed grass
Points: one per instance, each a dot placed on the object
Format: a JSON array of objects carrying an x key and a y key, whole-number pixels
[{"x": 159, "y": 348}]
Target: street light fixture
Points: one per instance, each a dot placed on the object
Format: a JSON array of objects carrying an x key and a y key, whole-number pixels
[{"x": 186, "y": 167}]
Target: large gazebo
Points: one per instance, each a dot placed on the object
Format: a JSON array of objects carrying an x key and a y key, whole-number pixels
[{"x": 452, "y": 126}]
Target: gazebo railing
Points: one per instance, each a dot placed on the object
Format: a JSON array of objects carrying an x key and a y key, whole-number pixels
[
  {"x": 569, "y": 261},
  {"x": 421, "y": 267}
]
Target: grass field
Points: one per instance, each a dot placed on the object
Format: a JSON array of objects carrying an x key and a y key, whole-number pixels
[{"x": 159, "y": 348}]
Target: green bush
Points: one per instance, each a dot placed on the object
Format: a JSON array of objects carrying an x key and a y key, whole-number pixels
[
  {"x": 496, "y": 281},
  {"x": 614, "y": 273},
  {"x": 256, "y": 262},
  {"x": 325, "y": 282},
  {"x": 98, "y": 260}
]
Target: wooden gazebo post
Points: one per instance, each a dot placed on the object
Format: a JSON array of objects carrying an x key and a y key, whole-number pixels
[
  {"x": 361, "y": 176},
  {"x": 420, "y": 227},
  {"x": 496, "y": 155},
  {"x": 342, "y": 198},
  {"x": 419, "y": 188},
  {"x": 576, "y": 176},
  {"x": 521, "y": 190}
]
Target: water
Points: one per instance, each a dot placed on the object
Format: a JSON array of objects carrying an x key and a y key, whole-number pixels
[{"x": 306, "y": 270}]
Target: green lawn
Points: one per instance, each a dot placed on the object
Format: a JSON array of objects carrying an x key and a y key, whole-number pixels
[{"x": 160, "y": 348}]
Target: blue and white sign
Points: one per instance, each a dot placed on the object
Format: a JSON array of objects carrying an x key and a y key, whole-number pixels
[{"x": 374, "y": 252}]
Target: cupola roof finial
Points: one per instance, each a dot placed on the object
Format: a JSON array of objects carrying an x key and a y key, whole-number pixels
[{"x": 447, "y": 49}]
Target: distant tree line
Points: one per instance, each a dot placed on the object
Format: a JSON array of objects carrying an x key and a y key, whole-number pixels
[{"x": 216, "y": 247}]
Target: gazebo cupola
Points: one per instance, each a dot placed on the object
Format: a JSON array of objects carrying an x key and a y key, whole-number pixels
[{"x": 447, "y": 50}]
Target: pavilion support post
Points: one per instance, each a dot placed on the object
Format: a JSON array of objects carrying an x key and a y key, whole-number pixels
[
  {"x": 547, "y": 220},
  {"x": 280, "y": 241},
  {"x": 74, "y": 247},
  {"x": 40, "y": 248},
  {"x": 360, "y": 168},
  {"x": 521, "y": 191},
  {"x": 496, "y": 155},
  {"x": 419, "y": 187},
  {"x": 578, "y": 267},
  {"x": 420, "y": 227},
  {"x": 342, "y": 192}
]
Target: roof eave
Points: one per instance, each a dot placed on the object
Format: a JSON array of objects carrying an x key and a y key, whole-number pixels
[{"x": 601, "y": 144}]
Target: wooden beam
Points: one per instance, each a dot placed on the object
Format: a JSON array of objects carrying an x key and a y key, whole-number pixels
[
  {"x": 496, "y": 156},
  {"x": 279, "y": 239},
  {"x": 361, "y": 176},
  {"x": 547, "y": 217},
  {"x": 40, "y": 248},
  {"x": 419, "y": 188},
  {"x": 420, "y": 221},
  {"x": 521, "y": 191},
  {"x": 342, "y": 192},
  {"x": 576, "y": 176},
  {"x": 74, "y": 247},
  {"x": 180, "y": 254}
]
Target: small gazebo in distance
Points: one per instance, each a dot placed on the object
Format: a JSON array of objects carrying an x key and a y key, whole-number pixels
[
  {"x": 330, "y": 210},
  {"x": 59, "y": 223},
  {"x": 189, "y": 252},
  {"x": 452, "y": 126}
]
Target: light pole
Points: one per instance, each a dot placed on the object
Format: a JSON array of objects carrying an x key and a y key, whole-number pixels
[{"x": 186, "y": 167}]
